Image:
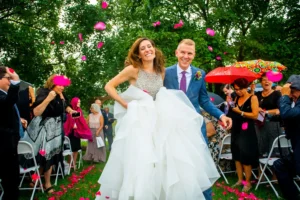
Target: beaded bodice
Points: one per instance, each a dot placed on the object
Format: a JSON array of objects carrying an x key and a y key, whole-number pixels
[{"x": 149, "y": 82}]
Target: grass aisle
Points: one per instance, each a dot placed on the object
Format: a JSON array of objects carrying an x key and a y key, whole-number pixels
[{"x": 86, "y": 188}]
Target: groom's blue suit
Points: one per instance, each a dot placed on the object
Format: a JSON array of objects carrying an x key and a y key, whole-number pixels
[{"x": 197, "y": 94}]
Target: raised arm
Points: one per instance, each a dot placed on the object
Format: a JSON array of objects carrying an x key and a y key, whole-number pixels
[{"x": 127, "y": 74}]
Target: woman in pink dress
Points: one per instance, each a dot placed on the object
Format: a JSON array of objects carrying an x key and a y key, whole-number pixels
[{"x": 95, "y": 122}]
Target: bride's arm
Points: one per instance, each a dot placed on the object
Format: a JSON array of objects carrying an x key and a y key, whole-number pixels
[{"x": 127, "y": 74}]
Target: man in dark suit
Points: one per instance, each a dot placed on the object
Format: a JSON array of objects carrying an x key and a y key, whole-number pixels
[
  {"x": 10, "y": 130},
  {"x": 285, "y": 170},
  {"x": 109, "y": 130}
]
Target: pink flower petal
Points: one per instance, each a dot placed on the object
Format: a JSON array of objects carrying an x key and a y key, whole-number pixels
[
  {"x": 218, "y": 58},
  {"x": 245, "y": 127},
  {"x": 100, "y": 26},
  {"x": 274, "y": 76},
  {"x": 51, "y": 198},
  {"x": 62, "y": 42},
  {"x": 98, "y": 193},
  {"x": 83, "y": 58},
  {"x": 180, "y": 22},
  {"x": 104, "y": 4},
  {"x": 212, "y": 99},
  {"x": 52, "y": 42},
  {"x": 100, "y": 44},
  {"x": 224, "y": 193},
  {"x": 35, "y": 177},
  {"x": 80, "y": 37},
  {"x": 210, "y": 32},
  {"x": 225, "y": 53},
  {"x": 158, "y": 23},
  {"x": 154, "y": 24},
  {"x": 42, "y": 152},
  {"x": 107, "y": 197},
  {"x": 210, "y": 48}
]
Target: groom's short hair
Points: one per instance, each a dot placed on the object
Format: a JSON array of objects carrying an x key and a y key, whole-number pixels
[{"x": 187, "y": 42}]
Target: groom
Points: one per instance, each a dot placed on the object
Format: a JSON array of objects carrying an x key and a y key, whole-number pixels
[{"x": 183, "y": 76}]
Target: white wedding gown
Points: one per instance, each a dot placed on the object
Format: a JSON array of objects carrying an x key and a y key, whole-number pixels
[{"x": 158, "y": 152}]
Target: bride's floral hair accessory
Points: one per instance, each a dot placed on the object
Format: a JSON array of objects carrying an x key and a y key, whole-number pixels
[
  {"x": 61, "y": 80},
  {"x": 198, "y": 75}
]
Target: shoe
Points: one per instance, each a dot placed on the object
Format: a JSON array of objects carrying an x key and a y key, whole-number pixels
[
  {"x": 246, "y": 188},
  {"x": 49, "y": 190},
  {"x": 237, "y": 184}
]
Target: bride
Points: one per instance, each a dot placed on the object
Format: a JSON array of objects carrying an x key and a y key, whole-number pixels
[{"x": 158, "y": 151}]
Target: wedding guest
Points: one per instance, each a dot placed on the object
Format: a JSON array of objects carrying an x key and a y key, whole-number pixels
[
  {"x": 10, "y": 129},
  {"x": 95, "y": 122},
  {"x": 286, "y": 169},
  {"x": 26, "y": 99},
  {"x": 76, "y": 128},
  {"x": 244, "y": 145},
  {"x": 45, "y": 131},
  {"x": 270, "y": 128},
  {"x": 109, "y": 130}
]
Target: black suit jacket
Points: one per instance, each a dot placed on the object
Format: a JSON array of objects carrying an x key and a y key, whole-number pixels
[
  {"x": 9, "y": 121},
  {"x": 110, "y": 122}
]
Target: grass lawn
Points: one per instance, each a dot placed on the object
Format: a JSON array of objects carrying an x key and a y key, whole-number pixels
[{"x": 88, "y": 185}]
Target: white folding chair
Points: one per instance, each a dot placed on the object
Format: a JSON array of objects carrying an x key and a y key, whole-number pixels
[
  {"x": 266, "y": 163},
  {"x": 26, "y": 148},
  {"x": 80, "y": 161},
  {"x": 66, "y": 152},
  {"x": 2, "y": 191},
  {"x": 224, "y": 156}
]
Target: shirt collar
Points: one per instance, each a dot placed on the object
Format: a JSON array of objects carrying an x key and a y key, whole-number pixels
[
  {"x": 3, "y": 91},
  {"x": 188, "y": 71}
]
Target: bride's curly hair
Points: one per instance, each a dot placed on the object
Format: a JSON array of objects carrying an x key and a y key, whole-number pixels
[{"x": 134, "y": 60}]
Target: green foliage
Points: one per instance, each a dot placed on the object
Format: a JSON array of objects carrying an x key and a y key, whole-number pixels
[{"x": 245, "y": 30}]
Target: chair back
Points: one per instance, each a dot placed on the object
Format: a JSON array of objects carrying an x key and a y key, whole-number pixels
[
  {"x": 284, "y": 143},
  {"x": 25, "y": 148},
  {"x": 226, "y": 141},
  {"x": 68, "y": 143}
]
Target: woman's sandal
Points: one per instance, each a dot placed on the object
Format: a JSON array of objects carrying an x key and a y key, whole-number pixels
[
  {"x": 237, "y": 184},
  {"x": 246, "y": 188},
  {"x": 49, "y": 190}
]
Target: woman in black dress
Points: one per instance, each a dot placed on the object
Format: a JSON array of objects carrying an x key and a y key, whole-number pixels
[
  {"x": 244, "y": 145},
  {"x": 45, "y": 132}
]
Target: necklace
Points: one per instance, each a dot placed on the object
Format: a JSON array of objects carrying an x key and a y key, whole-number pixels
[{"x": 265, "y": 94}]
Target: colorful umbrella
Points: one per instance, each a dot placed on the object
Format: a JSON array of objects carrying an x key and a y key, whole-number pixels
[
  {"x": 229, "y": 74},
  {"x": 261, "y": 66}
]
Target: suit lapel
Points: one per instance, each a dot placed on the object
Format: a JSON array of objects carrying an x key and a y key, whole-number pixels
[
  {"x": 175, "y": 77},
  {"x": 194, "y": 70}
]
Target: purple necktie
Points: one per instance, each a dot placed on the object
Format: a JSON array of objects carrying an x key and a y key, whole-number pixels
[{"x": 183, "y": 82}]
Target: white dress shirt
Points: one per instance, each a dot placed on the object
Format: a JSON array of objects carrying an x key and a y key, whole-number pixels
[{"x": 188, "y": 76}]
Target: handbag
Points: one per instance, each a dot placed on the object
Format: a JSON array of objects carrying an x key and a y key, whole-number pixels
[{"x": 100, "y": 142}]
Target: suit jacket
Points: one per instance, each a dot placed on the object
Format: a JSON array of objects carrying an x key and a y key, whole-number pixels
[
  {"x": 9, "y": 120},
  {"x": 291, "y": 117},
  {"x": 196, "y": 92},
  {"x": 110, "y": 122}
]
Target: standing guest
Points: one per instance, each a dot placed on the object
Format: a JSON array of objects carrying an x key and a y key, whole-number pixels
[
  {"x": 10, "y": 129},
  {"x": 75, "y": 128},
  {"x": 95, "y": 121},
  {"x": 45, "y": 131},
  {"x": 98, "y": 101},
  {"x": 285, "y": 171},
  {"x": 26, "y": 99},
  {"x": 109, "y": 130},
  {"x": 228, "y": 91},
  {"x": 268, "y": 107},
  {"x": 244, "y": 145}
]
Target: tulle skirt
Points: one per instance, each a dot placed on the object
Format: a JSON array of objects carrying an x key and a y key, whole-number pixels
[{"x": 158, "y": 152}]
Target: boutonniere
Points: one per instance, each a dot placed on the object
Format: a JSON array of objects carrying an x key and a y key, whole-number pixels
[{"x": 198, "y": 75}]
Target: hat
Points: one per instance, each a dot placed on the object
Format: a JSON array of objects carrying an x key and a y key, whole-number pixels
[
  {"x": 295, "y": 84},
  {"x": 292, "y": 78}
]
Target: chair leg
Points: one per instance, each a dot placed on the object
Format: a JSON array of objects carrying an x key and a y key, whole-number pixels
[{"x": 222, "y": 174}]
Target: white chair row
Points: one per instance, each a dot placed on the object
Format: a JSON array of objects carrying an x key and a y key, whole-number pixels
[{"x": 264, "y": 163}]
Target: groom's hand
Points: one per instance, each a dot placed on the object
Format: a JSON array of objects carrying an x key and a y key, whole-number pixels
[{"x": 226, "y": 121}]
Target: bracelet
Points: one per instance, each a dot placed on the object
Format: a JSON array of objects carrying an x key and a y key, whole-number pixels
[{"x": 242, "y": 113}]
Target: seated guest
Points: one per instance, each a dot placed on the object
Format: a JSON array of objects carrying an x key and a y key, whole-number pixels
[
  {"x": 244, "y": 145},
  {"x": 10, "y": 129},
  {"x": 286, "y": 169}
]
